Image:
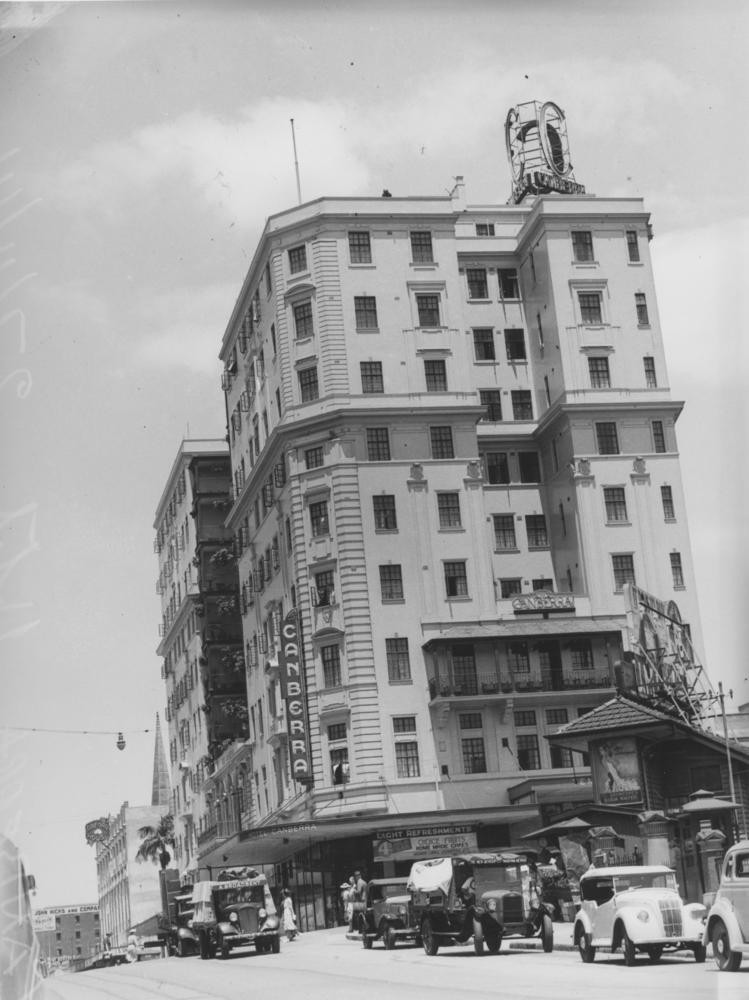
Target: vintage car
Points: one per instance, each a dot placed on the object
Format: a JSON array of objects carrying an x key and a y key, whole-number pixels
[
  {"x": 388, "y": 913},
  {"x": 235, "y": 911},
  {"x": 727, "y": 927},
  {"x": 637, "y": 908},
  {"x": 183, "y": 938},
  {"x": 484, "y": 896}
]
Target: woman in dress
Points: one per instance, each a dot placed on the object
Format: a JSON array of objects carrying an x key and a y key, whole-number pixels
[{"x": 288, "y": 917}]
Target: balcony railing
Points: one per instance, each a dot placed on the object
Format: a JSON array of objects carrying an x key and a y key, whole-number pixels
[{"x": 490, "y": 683}]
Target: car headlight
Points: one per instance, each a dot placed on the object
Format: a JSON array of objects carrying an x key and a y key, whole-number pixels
[
  {"x": 492, "y": 906},
  {"x": 402, "y": 910},
  {"x": 233, "y": 918},
  {"x": 643, "y": 915},
  {"x": 262, "y": 913}
]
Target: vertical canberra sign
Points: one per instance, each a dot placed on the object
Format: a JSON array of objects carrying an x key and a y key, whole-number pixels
[{"x": 292, "y": 688}]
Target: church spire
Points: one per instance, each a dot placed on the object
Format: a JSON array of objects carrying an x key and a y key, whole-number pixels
[{"x": 161, "y": 788}]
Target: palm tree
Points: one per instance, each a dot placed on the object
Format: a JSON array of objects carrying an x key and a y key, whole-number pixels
[{"x": 156, "y": 840}]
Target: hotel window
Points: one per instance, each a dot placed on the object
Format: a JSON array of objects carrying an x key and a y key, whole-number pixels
[
  {"x": 398, "y": 660},
  {"x": 515, "y": 345},
  {"x": 624, "y": 571},
  {"x": 477, "y": 287},
  {"x": 298, "y": 259},
  {"x": 456, "y": 580},
  {"x": 428, "y": 307},
  {"x": 483, "y": 344},
  {"x": 331, "y": 666},
  {"x": 560, "y": 756},
  {"x": 337, "y": 732},
  {"x": 504, "y": 532},
  {"x": 525, "y": 719},
  {"x": 607, "y": 439},
  {"x": 318, "y": 515},
  {"x": 313, "y": 457},
  {"x": 508, "y": 283},
  {"x": 529, "y": 758},
  {"x": 448, "y": 507},
  {"x": 648, "y": 364},
  {"x": 435, "y": 373},
  {"x": 365, "y": 310},
  {"x": 659, "y": 438},
  {"x": 616, "y": 504},
  {"x": 540, "y": 328},
  {"x": 641, "y": 305},
  {"x": 339, "y": 766},
  {"x": 474, "y": 756},
  {"x": 378, "y": 444},
  {"x": 391, "y": 583},
  {"x": 360, "y": 248},
  {"x": 470, "y": 720},
  {"x": 308, "y": 385},
  {"x": 530, "y": 470},
  {"x": 590, "y": 308},
  {"x": 517, "y": 657},
  {"x": 371, "y": 376},
  {"x": 384, "y": 513},
  {"x": 522, "y": 406},
  {"x": 324, "y": 583},
  {"x": 491, "y": 400},
  {"x": 599, "y": 373},
  {"x": 535, "y": 528},
  {"x": 676, "y": 570},
  {"x": 581, "y": 654},
  {"x": 303, "y": 324},
  {"x": 268, "y": 281},
  {"x": 421, "y": 248},
  {"x": 464, "y": 668},
  {"x": 667, "y": 499},
  {"x": 497, "y": 467},
  {"x": 582, "y": 246},
  {"x": 633, "y": 248},
  {"x": 510, "y": 587},
  {"x": 442, "y": 442},
  {"x": 485, "y": 229},
  {"x": 556, "y": 716},
  {"x": 407, "y": 759}
]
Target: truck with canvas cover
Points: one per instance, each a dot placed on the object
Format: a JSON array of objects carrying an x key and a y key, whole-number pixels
[{"x": 234, "y": 911}]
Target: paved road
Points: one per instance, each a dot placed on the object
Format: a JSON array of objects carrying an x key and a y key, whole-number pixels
[{"x": 325, "y": 965}]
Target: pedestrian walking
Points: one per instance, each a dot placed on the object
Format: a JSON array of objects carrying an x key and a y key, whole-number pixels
[{"x": 288, "y": 917}]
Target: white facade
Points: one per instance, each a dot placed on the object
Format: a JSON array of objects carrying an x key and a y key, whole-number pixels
[{"x": 435, "y": 412}]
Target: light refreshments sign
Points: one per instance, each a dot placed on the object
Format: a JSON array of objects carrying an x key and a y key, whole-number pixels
[
  {"x": 423, "y": 842},
  {"x": 292, "y": 689}
]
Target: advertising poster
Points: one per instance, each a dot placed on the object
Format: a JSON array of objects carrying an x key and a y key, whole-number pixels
[
  {"x": 423, "y": 842},
  {"x": 616, "y": 771}
]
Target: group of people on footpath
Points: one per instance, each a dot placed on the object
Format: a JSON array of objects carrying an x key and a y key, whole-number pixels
[{"x": 353, "y": 896}]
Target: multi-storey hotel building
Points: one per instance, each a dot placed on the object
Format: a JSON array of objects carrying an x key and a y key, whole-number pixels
[{"x": 452, "y": 444}]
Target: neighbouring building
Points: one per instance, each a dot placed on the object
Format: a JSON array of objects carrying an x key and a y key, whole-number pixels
[
  {"x": 453, "y": 446},
  {"x": 67, "y": 933},
  {"x": 201, "y": 640}
]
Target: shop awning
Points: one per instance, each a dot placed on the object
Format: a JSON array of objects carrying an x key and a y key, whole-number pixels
[
  {"x": 526, "y": 626},
  {"x": 574, "y": 825}
]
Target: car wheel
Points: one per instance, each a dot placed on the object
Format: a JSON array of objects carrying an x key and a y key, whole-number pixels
[
  {"x": 275, "y": 944},
  {"x": 585, "y": 948},
  {"x": 654, "y": 952},
  {"x": 628, "y": 949},
  {"x": 478, "y": 937},
  {"x": 699, "y": 951},
  {"x": 366, "y": 940},
  {"x": 547, "y": 933},
  {"x": 431, "y": 946},
  {"x": 205, "y": 951},
  {"x": 389, "y": 938},
  {"x": 725, "y": 959},
  {"x": 224, "y": 948},
  {"x": 181, "y": 949},
  {"x": 493, "y": 940}
]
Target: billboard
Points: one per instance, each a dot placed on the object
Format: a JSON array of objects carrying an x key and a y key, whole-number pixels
[
  {"x": 423, "y": 842},
  {"x": 616, "y": 770}
]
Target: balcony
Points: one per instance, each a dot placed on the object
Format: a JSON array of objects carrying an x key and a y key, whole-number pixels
[{"x": 490, "y": 684}]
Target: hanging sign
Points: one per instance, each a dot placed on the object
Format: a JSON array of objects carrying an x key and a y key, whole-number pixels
[{"x": 292, "y": 689}]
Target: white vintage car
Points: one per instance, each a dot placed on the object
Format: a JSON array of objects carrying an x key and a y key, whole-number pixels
[
  {"x": 637, "y": 907},
  {"x": 727, "y": 927}
]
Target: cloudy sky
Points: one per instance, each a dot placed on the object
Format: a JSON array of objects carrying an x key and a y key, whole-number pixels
[{"x": 143, "y": 146}]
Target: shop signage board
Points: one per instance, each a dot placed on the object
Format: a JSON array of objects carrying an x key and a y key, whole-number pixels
[
  {"x": 616, "y": 771},
  {"x": 418, "y": 843},
  {"x": 44, "y": 921},
  {"x": 292, "y": 689}
]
